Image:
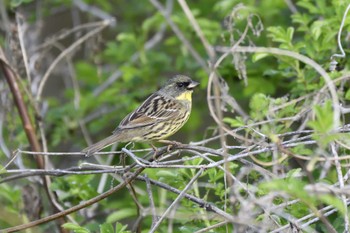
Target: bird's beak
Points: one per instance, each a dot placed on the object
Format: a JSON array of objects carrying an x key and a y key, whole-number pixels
[{"x": 192, "y": 85}]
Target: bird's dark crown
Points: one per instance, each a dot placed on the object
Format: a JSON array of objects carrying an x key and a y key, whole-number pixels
[{"x": 182, "y": 82}]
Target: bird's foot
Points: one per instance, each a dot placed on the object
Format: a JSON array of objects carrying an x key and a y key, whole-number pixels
[
  {"x": 155, "y": 150},
  {"x": 171, "y": 144},
  {"x": 87, "y": 153}
]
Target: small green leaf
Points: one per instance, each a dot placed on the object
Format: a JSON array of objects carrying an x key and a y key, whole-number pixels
[
  {"x": 121, "y": 214},
  {"x": 17, "y": 3},
  {"x": 293, "y": 187},
  {"x": 106, "y": 228},
  {"x": 281, "y": 35},
  {"x": 259, "y": 56},
  {"x": 294, "y": 173},
  {"x": 152, "y": 22},
  {"x": 259, "y": 104},
  {"x": 2, "y": 169},
  {"x": 347, "y": 94},
  {"x": 317, "y": 28},
  {"x": 234, "y": 122},
  {"x": 120, "y": 228},
  {"x": 259, "y": 85},
  {"x": 290, "y": 33},
  {"x": 166, "y": 173},
  {"x": 214, "y": 175},
  {"x": 334, "y": 201},
  {"x": 310, "y": 6},
  {"x": 324, "y": 118},
  {"x": 75, "y": 227},
  {"x": 126, "y": 37}
]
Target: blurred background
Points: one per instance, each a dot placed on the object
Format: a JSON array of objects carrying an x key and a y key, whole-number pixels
[{"x": 89, "y": 63}]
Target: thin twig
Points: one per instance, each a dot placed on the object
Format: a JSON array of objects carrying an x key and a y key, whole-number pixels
[
  {"x": 177, "y": 200},
  {"x": 207, "y": 229},
  {"x": 306, "y": 60},
  {"x": 151, "y": 43},
  {"x": 210, "y": 50},
  {"x": 97, "y": 12},
  {"x": 341, "y": 185},
  {"x": 19, "y": 20},
  {"x": 342, "y": 55},
  {"x": 21, "y": 106},
  {"x": 151, "y": 201},
  {"x": 69, "y": 50},
  {"x": 80, "y": 206},
  {"x": 180, "y": 35}
]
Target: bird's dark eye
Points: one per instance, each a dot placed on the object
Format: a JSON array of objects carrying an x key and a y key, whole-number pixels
[{"x": 180, "y": 84}]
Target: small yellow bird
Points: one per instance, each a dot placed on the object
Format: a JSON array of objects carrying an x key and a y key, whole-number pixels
[{"x": 161, "y": 115}]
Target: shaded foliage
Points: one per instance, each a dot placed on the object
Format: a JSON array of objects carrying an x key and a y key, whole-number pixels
[{"x": 281, "y": 158}]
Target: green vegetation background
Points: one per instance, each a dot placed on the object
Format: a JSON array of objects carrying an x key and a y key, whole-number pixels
[{"x": 269, "y": 80}]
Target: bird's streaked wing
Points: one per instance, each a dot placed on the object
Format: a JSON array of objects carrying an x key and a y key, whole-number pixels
[{"x": 156, "y": 108}]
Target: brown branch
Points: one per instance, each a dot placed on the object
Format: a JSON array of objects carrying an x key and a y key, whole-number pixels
[
  {"x": 89, "y": 202},
  {"x": 10, "y": 77},
  {"x": 77, "y": 207}
]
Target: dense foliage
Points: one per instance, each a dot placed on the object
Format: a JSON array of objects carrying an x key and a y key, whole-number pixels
[{"x": 266, "y": 146}]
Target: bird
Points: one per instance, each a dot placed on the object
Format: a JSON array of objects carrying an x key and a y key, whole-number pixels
[{"x": 161, "y": 115}]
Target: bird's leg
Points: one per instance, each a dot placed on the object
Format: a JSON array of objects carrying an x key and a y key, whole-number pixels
[
  {"x": 170, "y": 144},
  {"x": 122, "y": 159},
  {"x": 155, "y": 149}
]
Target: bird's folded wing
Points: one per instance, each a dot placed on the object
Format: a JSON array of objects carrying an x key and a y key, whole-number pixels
[{"x": 155, "y": 109}]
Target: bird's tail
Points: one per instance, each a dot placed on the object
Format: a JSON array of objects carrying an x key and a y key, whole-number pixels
[{"x": 90, "y": 150}]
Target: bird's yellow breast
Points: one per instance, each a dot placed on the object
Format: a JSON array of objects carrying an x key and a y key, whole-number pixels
[{"x": 187, "y": 95}]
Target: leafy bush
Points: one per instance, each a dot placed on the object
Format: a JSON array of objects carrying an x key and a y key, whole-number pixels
[{"x": 265, "y": 148}]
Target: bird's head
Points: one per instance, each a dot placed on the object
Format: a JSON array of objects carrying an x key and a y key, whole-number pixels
[{"x": 179, "y": 87}]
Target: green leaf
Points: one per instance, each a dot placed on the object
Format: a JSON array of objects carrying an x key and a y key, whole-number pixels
[
  {"x": 290, "y": 33},
  {"x": 75, "y": 227},
  {"x": 106, "y": 228},
  {"x": 259, "y": 85},
  {"x": 283, "y": 36},
  {"x": 17, "y": 3},
  {"x": 234, "y": 122},
  {"x": 2, "y": 169},
  {"x": 317, "y": 28},
  {"x": 303, "y": 20},
  {"x": 259, "y": 104},
  {"x": 9, "y": 194},
  {"x": 258, "y": 56},
  {"x": 152, "y": 22},
  {"x": 334, "y": 201},
  {"x": 214, "y": 175},
  {"x": 166, "y": 173},
  {"x": 126, "y": 37},
  {"x": 347, "y": 94},
  {"x": 311, "y": 6},
  {"x": 294, "y": 173},
  {"x": 121, "y": 214},
  {"x": 293, "y": 187},
  {"x": 120, "y": 228},
  {"x": 324, "y": 118},
  {"x": 86, "y": 71}
]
